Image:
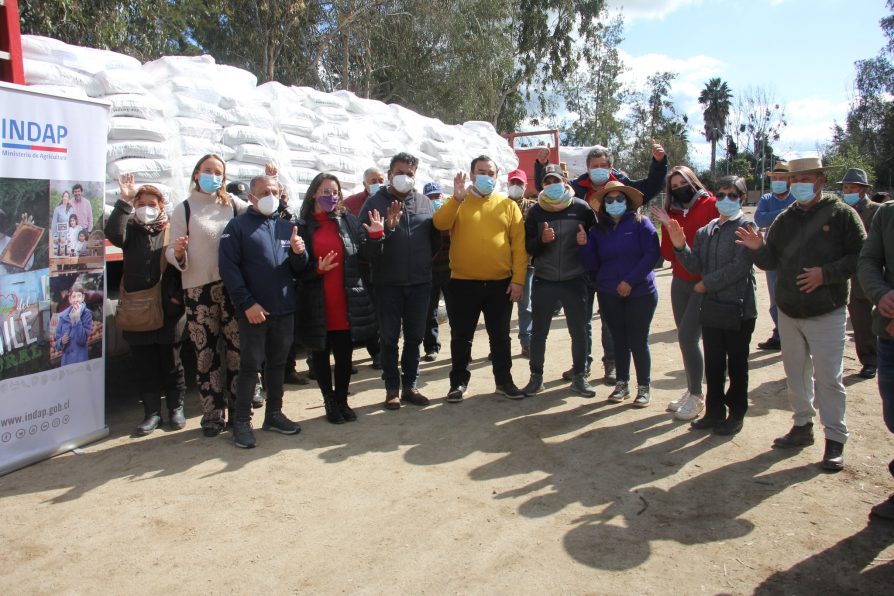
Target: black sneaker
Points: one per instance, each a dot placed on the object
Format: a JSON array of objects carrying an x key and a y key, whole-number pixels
[
  {"x": 279, "y": 422},
  {"x": 430, "y": 356},
  {"x": 534, "y": 386},
  {"x": 242, "y": 435},
  {"x": 771, "y": 344},
  {"x": 455, "y": 395},
  {"x": 509, "y": 390}
]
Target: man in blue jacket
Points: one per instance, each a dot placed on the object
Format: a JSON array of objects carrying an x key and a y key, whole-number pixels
[
  {"x": 401, "y": 274},
  {"x": 259, "y": 257},
  {"x": 768, "y": 208}
]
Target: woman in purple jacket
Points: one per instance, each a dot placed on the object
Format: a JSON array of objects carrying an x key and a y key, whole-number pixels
[{"x": 622, "y": 249}]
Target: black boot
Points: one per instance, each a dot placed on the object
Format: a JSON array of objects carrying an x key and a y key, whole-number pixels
[
  {"x": 176, "y": 415},
  {"x": 152, "y": 414},
  {"x": 833, "y": 458},
  {"x": 346, "y": 412},
  {"x": 333, "y": 411}
]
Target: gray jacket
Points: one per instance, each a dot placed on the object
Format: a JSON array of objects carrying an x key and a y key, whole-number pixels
[{"x": 726, "y": 267}]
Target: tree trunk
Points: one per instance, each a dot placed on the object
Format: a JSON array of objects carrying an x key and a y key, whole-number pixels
[{"x": 713, "y": 156}]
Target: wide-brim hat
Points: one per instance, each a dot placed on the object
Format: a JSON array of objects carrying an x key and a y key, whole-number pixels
[
  {"x": 806, "y": 165},
  {"x": 635, "y": 196},
  {"x": 780, "y": 169},
  {"x": 855, "y": 176}
]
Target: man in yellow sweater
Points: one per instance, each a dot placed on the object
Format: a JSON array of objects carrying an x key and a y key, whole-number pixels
[{"x": 488, "y": 263}]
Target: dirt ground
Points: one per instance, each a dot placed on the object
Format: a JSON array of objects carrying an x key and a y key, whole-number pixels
[{"x": 553, "y": 494}]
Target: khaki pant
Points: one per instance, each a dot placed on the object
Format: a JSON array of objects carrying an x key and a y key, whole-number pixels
[{"x": 812, "y": 355}]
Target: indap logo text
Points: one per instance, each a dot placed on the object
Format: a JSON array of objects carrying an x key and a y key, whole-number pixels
[{"x": 33, "y": 136}]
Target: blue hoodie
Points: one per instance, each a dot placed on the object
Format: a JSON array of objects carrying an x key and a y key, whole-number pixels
[
  {"x": 627, "y": 252},
  {"x": 257, "y": 264}
]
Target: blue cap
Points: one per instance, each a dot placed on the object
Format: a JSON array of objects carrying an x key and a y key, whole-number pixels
[{"x": 432, "y": 188}]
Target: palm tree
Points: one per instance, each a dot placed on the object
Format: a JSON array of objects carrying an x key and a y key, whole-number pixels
[{"x": 716, "y": 98}]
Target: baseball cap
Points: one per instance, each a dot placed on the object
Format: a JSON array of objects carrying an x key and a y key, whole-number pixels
[
  {"x": 432, "y": 188},
  {"x": 518, "y": 174}
]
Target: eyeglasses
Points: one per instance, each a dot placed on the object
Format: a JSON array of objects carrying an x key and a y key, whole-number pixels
[
  {"x": 615, "y": 199},
  {"x": 731, "y": 195}
]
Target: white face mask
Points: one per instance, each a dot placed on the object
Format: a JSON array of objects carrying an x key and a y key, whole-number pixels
[
  {"x": 403, "y": 183},
  {"x": 146, "y": 215},
  {"x": 516, "y": 191},
  {"x": 268, "y": 204}
]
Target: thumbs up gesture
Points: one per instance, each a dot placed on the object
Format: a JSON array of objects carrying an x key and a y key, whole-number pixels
[
  {"x": 548, "y": 234},
  {"x": 581, "y": 235},
  {"x": 296, "y": 241}
]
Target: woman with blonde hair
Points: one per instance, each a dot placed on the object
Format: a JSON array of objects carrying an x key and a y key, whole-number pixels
[
  {"x": 690, "y": 204},
  {"x": 196, "y": 226}
]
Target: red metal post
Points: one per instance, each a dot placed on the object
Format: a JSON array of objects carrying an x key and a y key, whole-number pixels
[{"x": 11, "y": 67}]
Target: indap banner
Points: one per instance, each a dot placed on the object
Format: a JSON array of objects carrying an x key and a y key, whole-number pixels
[{"x": 52, "y": 283}]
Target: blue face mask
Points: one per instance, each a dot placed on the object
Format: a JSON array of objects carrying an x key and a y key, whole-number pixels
[
  {"x": 851, "y": 198},
  {"x": 599, "y": 175},
  {"x": 616, "y": 209},
  {"x": 374, "y": 188},
  {"x": 728, "y": 207},
  {"x": 554, "y": 191},
  {"x": 437, "y": 204},
  {"x": 778, "y": 186},
  {"x": 485, "y": 184},
  {"x": 803, "y": 191},
  {"x": 209, "y": 182}
]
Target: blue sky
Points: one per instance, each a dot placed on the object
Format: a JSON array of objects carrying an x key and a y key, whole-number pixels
[{"x": 804, "y": 50}]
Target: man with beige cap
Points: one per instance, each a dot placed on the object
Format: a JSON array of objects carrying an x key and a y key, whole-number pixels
[{"x": 813, "y": 247}]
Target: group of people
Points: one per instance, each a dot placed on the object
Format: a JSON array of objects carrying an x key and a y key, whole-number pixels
[
  {"x": 72, "y": 222},
  {"x": 370, "y": 269}
]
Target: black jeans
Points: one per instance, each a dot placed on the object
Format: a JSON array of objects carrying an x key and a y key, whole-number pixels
[
  {"x": 545, "y": 295},
  {"x": 629, "y": 320},
  {"x": 406, "y": 308},
  {"x": 439, "y": 283},
  {"x": 726, "y": 352},
  {"x": 339, "y": 344},
  {"x": 157, "y": 368},
  {"x": 468, "y": 300},
  {"x": 373, "y": 344},
  {"x": 263, "y": 346}
]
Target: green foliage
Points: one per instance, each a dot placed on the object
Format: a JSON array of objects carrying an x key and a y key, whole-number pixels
[{"x": 654, "y": 117}]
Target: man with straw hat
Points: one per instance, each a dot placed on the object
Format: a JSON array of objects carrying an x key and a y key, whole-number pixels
[
  {"x": 813, "y": 247},
  {"x": 855, "y": 192},
  {"x": 768, "y": 209}
]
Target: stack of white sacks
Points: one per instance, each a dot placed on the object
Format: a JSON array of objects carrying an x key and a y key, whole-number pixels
[{"x": 169, "y": 112}]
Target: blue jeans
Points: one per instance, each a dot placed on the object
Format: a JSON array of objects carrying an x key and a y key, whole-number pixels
[
  {"x": 263, "y": 345},
  {"x": 545, "y": 296},
  {"x": 396, "y": 307},
  {"x": 629, "y": 320},
  {"x": 524, "y": 311},
  {"x": 608, "y": 343},
  {"x": 774, "y": 313}
]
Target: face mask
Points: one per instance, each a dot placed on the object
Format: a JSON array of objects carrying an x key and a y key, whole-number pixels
[
  {"x": 803, "y": 191},
  {"x": 403, "y": 183},
  {"x": 485, "y": 184},
  {"x": 851, "y": 198},
  {"x": 268, "y": 204},
  {"x": 146, "y": 215},
  {"x": 209, "y": 182},
  {"x": 728, "y": 207},
  {"x": 516, "y": 192},
  {"x": 327, "y": 202},
  {"x": 599, "y": 175},
  {"x": 374, "y": 188},
  {"x": 554, "y": 191},
  {"x": 616, "y": 209},
  {"x": 683, "y": 194},
  {"x": 437, "y": 204},
  {"x": 778, "y": 186}
]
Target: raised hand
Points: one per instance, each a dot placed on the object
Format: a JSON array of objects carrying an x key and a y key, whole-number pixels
[
  {"x": 581, "y": 235},
  {"x": 296, "y": 241},
  {"x": 395, "y": 210},
  {"x": 658, "y": 152},
  {"x": 180, "y": 246},
  {"x": 676, "y": 233},
  {"x": 459, "y": 186},
  {"x": 376, "y": 223},
  {"x": 327, "y": 263},
  {"x": 749, "y": 237},
  {"x": 548, "y": 234},
  {"x": 661, "y": 215},
  {"x": 256, "y": 314},
  {"x": 811, "y": 279},
  {"x": 270, "y": 169},
  {"x": 127, "y": 187}
]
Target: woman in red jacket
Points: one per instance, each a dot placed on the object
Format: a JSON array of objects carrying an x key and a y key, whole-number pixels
[{"x": 688, "y": 202}]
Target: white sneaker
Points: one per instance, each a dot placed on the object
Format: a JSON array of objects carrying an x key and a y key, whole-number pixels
[
  {"x": 675, "y": 405},
  {"x": 691, "y": 408}
]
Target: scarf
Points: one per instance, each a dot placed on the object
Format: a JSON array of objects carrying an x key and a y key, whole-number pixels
[
  {"x": 548, "y": 204},
  {"x": 154, "y": 227}
]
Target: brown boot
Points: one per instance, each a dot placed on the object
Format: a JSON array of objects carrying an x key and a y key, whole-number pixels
[
  {"x": 413, "y": 396},
  {"x": 392, "y": 399}
]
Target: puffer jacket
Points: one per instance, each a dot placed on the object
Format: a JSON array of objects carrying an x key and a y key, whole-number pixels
[
  {"x": 725, "y": 267},
  {"x": 311, "y": 324},
  {"x": 560, "y": 259}
]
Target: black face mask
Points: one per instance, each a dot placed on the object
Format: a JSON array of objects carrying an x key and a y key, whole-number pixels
[{"x": 683, "y": 194}]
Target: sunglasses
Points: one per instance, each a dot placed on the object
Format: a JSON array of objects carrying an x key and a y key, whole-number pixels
[
  {"x": 731, "y": 195},
  {"x": 615, "y": 199}
]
